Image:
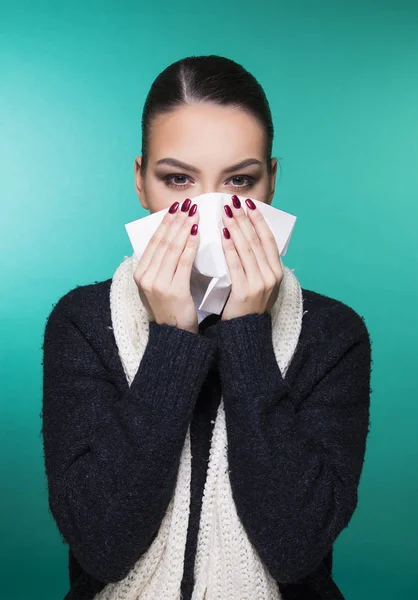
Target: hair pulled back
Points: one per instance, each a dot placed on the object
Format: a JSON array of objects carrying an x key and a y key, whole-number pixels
[{"x": 208, "y": 78}]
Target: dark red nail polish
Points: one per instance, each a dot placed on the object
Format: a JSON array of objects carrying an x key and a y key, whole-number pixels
[
  {"x": 228, "y": 210},
  {"x": 173, "y": 207},
  {"x": 186, "y": 205},
  {"x": 193, "y": 230},
  {"x": 193, "y": 210},
  {"x": 236, "y": 201},
  {"x": 226, "y": 233},
  {"x": 250, "y": 204}
]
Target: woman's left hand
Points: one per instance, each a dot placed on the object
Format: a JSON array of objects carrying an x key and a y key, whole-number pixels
[{"x": 253, "y": 260}]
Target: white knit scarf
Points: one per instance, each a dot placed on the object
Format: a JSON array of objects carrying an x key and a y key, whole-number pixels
[{"x": 227, "y": 566}]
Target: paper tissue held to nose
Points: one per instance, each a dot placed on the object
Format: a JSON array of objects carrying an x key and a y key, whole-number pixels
[{"x": 210, "y": 283}]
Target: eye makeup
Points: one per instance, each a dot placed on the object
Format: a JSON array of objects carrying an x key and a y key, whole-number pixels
[{"x": 168, "y": 181}]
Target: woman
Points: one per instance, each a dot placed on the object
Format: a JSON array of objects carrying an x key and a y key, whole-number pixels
[{"x": 219, "y": 459}]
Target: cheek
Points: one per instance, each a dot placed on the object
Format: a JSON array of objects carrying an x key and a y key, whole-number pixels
[
  {"x": 258, "y": 192},
  {"x": 160, "y": 196}
]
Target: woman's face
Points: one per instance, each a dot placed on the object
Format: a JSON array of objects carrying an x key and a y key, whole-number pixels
[{"x": 196, "y": 149}]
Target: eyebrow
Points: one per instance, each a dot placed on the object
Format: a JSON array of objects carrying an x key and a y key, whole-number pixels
[{"x": 181, "y": 165}]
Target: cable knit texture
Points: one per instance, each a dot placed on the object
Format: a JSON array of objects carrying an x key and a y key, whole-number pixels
[
  {"x": 227, "y": 564},
  {"x": 284, "y": 444}
]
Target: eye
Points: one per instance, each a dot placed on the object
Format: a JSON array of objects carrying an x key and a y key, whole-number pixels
[
  {"x": 176, "y": 184},
  {"x": 250, "y": 181},
  {"x": 180, "y": 181}
]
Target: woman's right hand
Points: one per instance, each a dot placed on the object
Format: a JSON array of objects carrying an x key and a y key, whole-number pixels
[{"x": 164, "y": 269}]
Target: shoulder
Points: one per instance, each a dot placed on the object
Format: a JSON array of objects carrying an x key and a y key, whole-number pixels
[
  {"x": 326, "y": 317},
  {"x": 78, "y": 334},
  {"x": 332, "y": 332},
  {"x": 84, "y": 304}
]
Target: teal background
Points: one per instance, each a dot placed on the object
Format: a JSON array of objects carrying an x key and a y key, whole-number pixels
[{"x": 342, "y": 80}]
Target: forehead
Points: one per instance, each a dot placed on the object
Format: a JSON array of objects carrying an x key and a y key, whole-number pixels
[{"x": 206, "y": 133}]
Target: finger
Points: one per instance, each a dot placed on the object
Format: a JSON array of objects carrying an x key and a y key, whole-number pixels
[
  {"x": 167, "y": 241},
  {"x": 235, "y": 268},
  {"x": 244, "y": 250},
  {"x": 253, "y": 239},
  {"x": 154, "y": 241},
  {"x": 182, "y": 275},
  {"x": 175, "y": 248},
  {"x": 267, "y": 240}
]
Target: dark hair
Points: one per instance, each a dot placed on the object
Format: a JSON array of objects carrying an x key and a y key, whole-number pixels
[{"x": 208, "y": 78}]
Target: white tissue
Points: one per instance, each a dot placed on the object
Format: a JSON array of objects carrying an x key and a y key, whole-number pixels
[{"x": 210, "y": 283}]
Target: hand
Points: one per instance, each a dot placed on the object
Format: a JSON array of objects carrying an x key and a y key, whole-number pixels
[
  {"x": 163, "y": 272},
  {"x": 253, "y": 261}
]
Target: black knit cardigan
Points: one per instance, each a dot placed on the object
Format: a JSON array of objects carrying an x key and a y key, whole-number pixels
[{"x": 296, "y": 445}]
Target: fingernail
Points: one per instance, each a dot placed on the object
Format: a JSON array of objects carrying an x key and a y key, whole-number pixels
[
  {"x": 193, "y": 210},
  {"x": 193, "y": 230},
  {"x": 228, "y": 210},
  {"x": 236, "y": 202},
  {"x": 226, "y": 233},
  {"x": 186, "y": 205},
  {"x": 173, "y": 207},
  {"x": 250, "y": 204}
]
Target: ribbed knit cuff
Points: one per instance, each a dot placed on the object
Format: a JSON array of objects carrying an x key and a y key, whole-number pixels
[
  {"x": 247, "y": 362},
  {"x": 174, "y": 365}
]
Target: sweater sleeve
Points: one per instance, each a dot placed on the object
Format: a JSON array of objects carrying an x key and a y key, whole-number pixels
[
  {"x": 295, "y": 454},
  {"x": 112, "y": 456}
]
